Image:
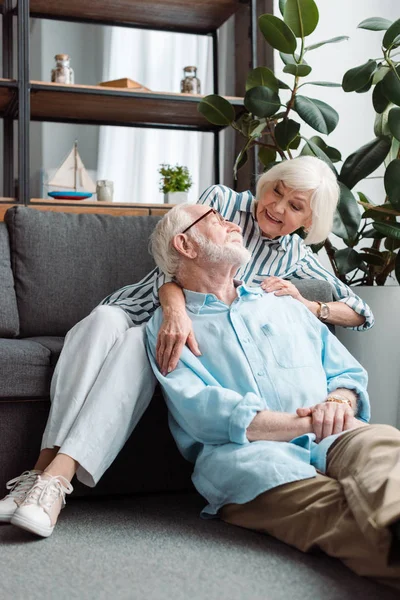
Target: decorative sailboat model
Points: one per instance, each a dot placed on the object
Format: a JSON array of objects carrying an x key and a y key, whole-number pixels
[{"x": 73, "y": 178}]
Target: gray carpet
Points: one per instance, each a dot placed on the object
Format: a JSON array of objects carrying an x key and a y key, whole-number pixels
[{"x": 157, "y": 548}]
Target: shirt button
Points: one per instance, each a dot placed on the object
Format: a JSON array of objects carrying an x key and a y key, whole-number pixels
[{"x": 260, "y": 373}]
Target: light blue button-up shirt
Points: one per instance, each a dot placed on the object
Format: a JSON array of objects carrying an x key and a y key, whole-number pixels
[{"x": 263, "y": 352}]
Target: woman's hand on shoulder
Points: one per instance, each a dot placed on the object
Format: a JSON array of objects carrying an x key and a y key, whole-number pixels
[
  {"x": 176, "y": 330},
  {"x": 281, "y": 287}
]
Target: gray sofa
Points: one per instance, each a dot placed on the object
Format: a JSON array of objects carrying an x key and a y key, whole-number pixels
[{"x": 54, "y": 269}]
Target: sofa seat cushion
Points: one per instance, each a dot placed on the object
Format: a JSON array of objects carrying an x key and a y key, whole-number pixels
[
  {"x": 26, "y": 368},
  {"x": 52, "y": 343}
]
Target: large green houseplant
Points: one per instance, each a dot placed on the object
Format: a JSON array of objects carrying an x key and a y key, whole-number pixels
[{"x": 270, "y": 121}]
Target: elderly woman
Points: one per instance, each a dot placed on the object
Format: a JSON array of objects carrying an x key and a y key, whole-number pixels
[
  {"x": 103, "y": 381},
  {"x": 298, "y": 193}
]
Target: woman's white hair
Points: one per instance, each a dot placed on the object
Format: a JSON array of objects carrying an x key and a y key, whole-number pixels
[
  {"x": 307, "y": 173},
  {"x": 160, "y": 246}
]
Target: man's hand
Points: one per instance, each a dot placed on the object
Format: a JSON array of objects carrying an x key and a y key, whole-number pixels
[
  {"x": 329, "y": 418},
  {"x": 176, "y": 330},
  {"x": 281, "y": 287}
]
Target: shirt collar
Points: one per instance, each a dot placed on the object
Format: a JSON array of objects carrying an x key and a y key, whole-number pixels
[
  {"x": 196, "y": 300},
  {"x": 283, "y": 241}
]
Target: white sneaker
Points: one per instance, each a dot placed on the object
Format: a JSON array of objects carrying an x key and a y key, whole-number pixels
[
  {"x": 39, "y": 511},
  {"x": 19, "y": 487}
]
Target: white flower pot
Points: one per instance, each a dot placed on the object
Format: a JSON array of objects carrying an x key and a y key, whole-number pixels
[
  {"x": 378, "y": 350},
  {"x": 176, "y": 198}
]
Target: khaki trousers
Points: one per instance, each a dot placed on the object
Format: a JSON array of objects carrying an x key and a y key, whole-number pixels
[{"x": 345, "y": 513}]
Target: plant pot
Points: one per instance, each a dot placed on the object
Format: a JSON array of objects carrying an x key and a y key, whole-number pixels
[
  {"x": 175, "y": 198},
  {"x": 378, "y": 350}
]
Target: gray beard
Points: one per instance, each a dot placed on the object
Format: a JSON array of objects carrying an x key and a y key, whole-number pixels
[{"x": 233, "y": 254}]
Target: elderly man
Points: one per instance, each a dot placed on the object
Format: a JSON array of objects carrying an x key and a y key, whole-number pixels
[{"x": 274, "y": 412}]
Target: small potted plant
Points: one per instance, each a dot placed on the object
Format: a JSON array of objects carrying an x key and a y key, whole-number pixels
[{"x": 174, "y": 183}]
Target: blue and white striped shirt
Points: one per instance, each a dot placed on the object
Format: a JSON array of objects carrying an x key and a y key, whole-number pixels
[{"x": 287, "y": 257}]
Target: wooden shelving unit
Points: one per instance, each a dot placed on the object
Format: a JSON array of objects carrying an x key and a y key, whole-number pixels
[{"x": 28, "y": 101}]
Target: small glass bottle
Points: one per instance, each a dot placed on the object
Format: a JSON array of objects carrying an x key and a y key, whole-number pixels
[
  {"x": 62, "y": 73},
  {"x": 190, "y": 83}
]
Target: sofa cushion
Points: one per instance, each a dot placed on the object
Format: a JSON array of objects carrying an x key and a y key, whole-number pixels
[
  {"x": 64, "y": 264},
  {"x": 25, "y": 368},
  {"x": 9, "y": 321},
  {"x": 53, "y": 343}
]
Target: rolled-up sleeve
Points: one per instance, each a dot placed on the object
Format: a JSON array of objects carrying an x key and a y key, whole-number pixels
[
  {"x": 310, "y": 267},
  {"x": 208, "y": 412}
]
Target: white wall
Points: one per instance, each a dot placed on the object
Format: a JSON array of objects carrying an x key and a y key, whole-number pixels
[{"x": 330, "y": 62}]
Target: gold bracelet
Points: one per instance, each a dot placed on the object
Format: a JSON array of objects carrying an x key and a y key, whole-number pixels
[{"x": 339, "y": 399}]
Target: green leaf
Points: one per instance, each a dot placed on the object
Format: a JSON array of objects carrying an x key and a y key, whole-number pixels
[
  {"x": 334, "y": 40},
  {"x": 358, "y": 77},
  {"x": 301, "y": 16},
  {"x": 380, "y": 74},
  {"x": 391, "y": 244},
  {"x": 294, "y": 144},
  {"x": 330, "y": 152},
  {"x": 283, "y": 85},
  {"x": 372, "y": 259},
  {"x": 217, "y": 110},
  {"x": 375, "y": 24},
  {"x": 388, "y": 229},
  {"x": 277, "y": 33},
  {"x": 363, "y": 198},
  {"x": 347, "y": 260},
  {"x": 312, "y": 149},
  {"x": 391, "y": 34},
  {"x": 291, "y": 59},
  {"x": 319, "y": 115},
  {"x": 285, "y": 132},
  {"x": 262, "y": 76},
  {"x": 324, "y": 84},
  {"x": 365, "y": 87},
  {"x": 372, "y": 234},
  {"x": 394, "y": 122},
  {"x": 261, "y": 101},
  {"x": 381, "y": 125},
  {"x": 391, "y": 86},
  {"x": 347, "y": 216},
  {"x": 282, "y": 6},
  {"x": 266, "y": 155},
  {"x": 364, "y": 161},
  {"x": 298, "y": 70},
  {"x": 379, "y": 100},
  {"x": 397, "y": 267},
  {"x": 392, "y": 182},
  {"x": 240, "y": 161}
]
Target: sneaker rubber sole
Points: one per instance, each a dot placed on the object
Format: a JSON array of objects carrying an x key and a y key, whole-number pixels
[
  {"x": 6, "y": 517},
  {"x": 31, "y": 526}
]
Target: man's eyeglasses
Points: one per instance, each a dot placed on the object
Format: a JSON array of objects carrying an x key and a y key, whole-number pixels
[{"x": 212, "y": 210}]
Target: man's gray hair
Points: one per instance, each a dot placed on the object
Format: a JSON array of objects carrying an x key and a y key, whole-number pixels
[
  {"x": 165, "y": 255},
  {"x": 306, "y": 173}
]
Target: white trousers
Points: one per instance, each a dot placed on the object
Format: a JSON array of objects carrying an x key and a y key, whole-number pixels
[{"x": 101, "y": 387}]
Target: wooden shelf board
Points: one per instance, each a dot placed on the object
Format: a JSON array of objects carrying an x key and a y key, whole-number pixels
[
  {"x": 90, "y": 202},
  {"x": 8, "y": 88},
  {"x": 201, "y": 16},
  {"x": 94, "y": 207},
  {"x": 86, "y": 104}
]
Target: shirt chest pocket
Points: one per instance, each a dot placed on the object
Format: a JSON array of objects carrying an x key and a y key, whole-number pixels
[{"x": 291, "y": 346}]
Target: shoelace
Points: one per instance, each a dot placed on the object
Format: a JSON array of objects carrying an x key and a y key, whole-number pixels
[
  {"x": 22, "y": 484},
  {"x": 47, "y": 490}
]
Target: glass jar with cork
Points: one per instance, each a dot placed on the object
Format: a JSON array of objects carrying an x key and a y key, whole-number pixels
[
  {"x": 190, "y": 83},
  {"x": 62, "y": 73}
]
